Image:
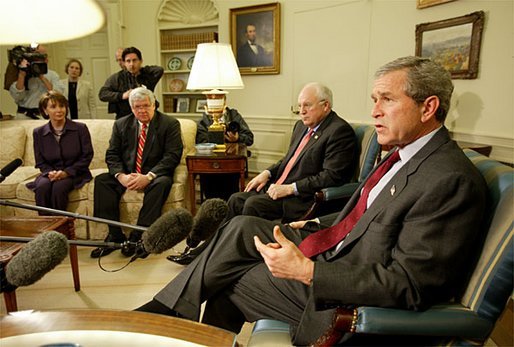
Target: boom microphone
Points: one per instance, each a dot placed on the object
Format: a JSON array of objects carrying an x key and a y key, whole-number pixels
[
  {"x": 207, "y": 220},
  {"x": 166, "y": 232},
  {"x": 35, "y": 260},
  {"x": 9, "y": 168}
]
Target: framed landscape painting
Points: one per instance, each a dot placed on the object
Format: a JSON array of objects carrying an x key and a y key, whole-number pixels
[{"x": 454, "y": 43}]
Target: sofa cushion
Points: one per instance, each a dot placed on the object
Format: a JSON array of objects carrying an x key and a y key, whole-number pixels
[
  {"x": 24, "y": 193},
  {"x": 100, "y": 131},
  {"x": 9, "y": 187},
  {"x": 12, "y": 143}
]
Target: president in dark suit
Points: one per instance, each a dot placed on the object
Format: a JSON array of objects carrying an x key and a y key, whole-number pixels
[
  {"x": 251, "y": 54},
  {"x": 138, "y": 165},
  {"x": 327, "y": 159},
  {"x": 411, "y": 248}
]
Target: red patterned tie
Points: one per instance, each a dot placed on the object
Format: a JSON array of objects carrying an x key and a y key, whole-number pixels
[
  {"x": 325, "y": 239},
  {"x": 140, "y": 147},
  {"x": 291, "y": 161}
]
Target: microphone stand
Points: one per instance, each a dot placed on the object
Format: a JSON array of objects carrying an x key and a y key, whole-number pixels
[
  {"x": 117, "y": 245},
  {"x": 140, "y": 249},
  {"x": 71, "y": 214}
]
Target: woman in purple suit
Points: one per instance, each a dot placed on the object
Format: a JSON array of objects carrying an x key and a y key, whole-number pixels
[{"x": 63, "y": 152}]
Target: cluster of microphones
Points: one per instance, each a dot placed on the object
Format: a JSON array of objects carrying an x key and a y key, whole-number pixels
[{"x": 47, "y": 250}]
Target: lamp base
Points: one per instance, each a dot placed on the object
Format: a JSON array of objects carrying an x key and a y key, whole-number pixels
[{"x": 216, "y": 136}]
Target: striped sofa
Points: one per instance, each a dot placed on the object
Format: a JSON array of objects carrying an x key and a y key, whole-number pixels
[{"x": 466, "y": 322}]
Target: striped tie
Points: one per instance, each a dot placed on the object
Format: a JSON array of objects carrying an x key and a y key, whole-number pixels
[{"x": 140, "y": 147}]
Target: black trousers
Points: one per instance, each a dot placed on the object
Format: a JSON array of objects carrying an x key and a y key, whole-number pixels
[
  {"x": 108, "y": 192},
  {"x": 232, "y": 277},
  {"x": 219, "y": 185},
  {"x": 259, "y": 204}
]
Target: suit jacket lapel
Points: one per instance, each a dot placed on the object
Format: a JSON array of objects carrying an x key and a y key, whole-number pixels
[
  {"x": 313, "y": 140},
  {"x": 399, "y": 181}
]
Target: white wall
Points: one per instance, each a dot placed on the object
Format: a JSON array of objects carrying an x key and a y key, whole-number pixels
[{"x": 483, "y": 108}]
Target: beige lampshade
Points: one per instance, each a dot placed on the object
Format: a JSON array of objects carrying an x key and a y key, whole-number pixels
[
  {"x": 47, "y": 21},
  {"x": 214, "y": 67}
]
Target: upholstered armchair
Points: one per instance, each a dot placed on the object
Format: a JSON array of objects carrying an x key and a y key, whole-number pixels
[
  {"x": 467, "y": 321},
  {"x": 332, "y": 199}
]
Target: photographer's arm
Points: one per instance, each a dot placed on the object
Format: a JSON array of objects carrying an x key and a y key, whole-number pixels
[{"x": 49, "y": 86}]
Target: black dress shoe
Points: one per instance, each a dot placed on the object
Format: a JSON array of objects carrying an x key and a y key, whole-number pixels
[
  {"x": 129, "y": 249},
  {"x": 102, "y": 252},
  {"x": 183, "y": 259}
]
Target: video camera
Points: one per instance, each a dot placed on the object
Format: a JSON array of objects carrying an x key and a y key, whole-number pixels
[
  {"x": 36, "y": 61},
  {"x": 233, "y": 127}
]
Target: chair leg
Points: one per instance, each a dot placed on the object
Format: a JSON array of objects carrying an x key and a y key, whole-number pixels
[{"x": 10, "y": 301}]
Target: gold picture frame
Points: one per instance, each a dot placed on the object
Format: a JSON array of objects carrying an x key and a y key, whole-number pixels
[
  {"x": 427, "y": 3},
  {"x": 454, "y": 43},
  {"x": 260, "y": 25}
]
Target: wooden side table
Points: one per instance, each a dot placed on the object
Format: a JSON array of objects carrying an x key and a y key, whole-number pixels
[
  {"x": 32, "y": 227},
  {"x": 231, "y": 161}
]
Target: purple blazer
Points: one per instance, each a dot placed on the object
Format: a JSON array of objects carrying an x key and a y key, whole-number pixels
[{"x": 72, "y": 154}]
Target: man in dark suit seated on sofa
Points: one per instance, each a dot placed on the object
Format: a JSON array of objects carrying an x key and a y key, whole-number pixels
[
  {"x": 405, "y": 240},
  {"x": 144, "y": 150}
]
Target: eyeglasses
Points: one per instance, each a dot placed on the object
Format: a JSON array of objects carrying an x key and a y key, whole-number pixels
[
  {"x": 307, "y": 106},
  {"x": 142, "y": 107}
]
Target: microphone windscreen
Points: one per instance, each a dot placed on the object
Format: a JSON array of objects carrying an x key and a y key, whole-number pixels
[
  {"x": 207, "y": 220},
  {"x": 167, "y": 231},
  {"x": 37, "y": 258},
  {"x": 9, "y": 168}
]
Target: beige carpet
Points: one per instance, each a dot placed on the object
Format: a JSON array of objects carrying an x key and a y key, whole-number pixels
[{"x": 126, "y": 289}]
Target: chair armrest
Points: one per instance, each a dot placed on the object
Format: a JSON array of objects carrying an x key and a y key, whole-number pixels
[
  {"x": 443, "y": 320},
  {"x": 340, "y": 192},
  {"x": 329, "y": 194}
]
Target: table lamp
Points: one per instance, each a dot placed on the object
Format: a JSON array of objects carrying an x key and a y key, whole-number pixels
[{"x": 215, "y": 68}]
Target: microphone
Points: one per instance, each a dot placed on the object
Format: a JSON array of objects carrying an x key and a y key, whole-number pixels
[
  {"x": 35, "y": 260},
  {"x": 207, "y": 220},
  {"x": 9, "y": 168},
  {"x": 166, "y": 232}
]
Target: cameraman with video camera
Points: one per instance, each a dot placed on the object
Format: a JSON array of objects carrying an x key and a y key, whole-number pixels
[{"x": 33, "y": 79}]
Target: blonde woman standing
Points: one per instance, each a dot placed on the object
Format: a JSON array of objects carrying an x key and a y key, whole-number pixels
[{"x": 78, "y": 92}]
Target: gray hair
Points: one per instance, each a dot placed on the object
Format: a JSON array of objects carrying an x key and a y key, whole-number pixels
[
  {"x": 322, "y": 91},
  {"x": 139, "y": 94},
  {"x": 425, "y": 78}
]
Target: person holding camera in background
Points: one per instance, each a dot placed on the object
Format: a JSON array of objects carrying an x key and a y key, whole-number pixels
[
  {"x": 34, "y": 79},
  {"x": 237, "y": 131}
]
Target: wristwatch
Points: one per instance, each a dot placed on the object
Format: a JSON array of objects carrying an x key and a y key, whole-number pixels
[{"x": 150, "y": 177}]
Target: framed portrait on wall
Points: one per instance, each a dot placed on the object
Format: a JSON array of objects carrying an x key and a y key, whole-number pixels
[
  {"x": 428, "y": 3},
  {"x": 182, "y": 105},
  {"x": 255, "y": 38},
  {"x": 454, "y": 43},
  {"x": 200, "y": 105}
]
